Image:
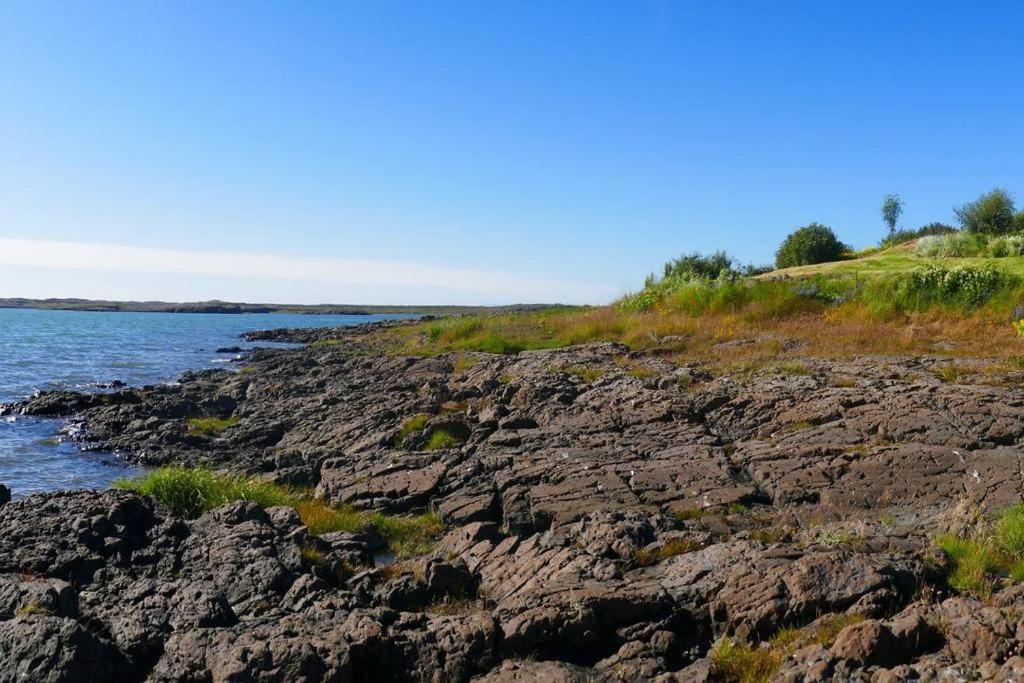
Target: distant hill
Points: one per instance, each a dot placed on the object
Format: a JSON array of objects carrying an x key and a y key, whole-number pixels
[{"x": 233, "y": 307}]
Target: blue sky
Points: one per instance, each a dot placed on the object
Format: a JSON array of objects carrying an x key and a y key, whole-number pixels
[{"x": 478, "y": 152}]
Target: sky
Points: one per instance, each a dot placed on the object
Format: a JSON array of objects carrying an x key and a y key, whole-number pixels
[{"x": 478, "y": 153}]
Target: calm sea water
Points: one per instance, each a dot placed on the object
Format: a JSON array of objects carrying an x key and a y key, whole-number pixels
[{"x": 42, "y": 350}]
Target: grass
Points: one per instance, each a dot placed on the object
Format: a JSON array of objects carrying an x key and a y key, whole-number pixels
[
  {"x": 829, "y": 316},
  {"x": 738, "y": 663},
  {"x": 645, "y": 557},
  {"x": 311, "y": 556},
  {"x": 410, "y": 426},
  {"x": 189, "y": 492},
  {"x": 995, "y": 554},
  {"x": 32, "y": 608},
  {"x": 210, "y": 426},
  {"x": 444, "y": 438},
  {"x": 584, "y": 372}
]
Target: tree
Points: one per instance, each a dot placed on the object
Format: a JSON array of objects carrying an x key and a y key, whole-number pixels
[
  {"x": 812, "y": 243},
  {"x": 892, "y": 209},
  {"x": 991, "y": 213}
]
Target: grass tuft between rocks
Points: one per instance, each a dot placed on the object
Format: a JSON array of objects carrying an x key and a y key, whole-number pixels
[
  {"x": 191, "y": 491},
  {"x": 410, "y": 426},
  {"x": 995, "y": 553},
  {"x": 210, "y": 426},
  {"x": 738, "y": 663}
]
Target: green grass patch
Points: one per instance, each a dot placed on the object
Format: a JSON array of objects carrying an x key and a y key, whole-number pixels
[
  {"x": 408, "y": 536},
  {"x": 410, "y": 426},
  {"x": 210, "y": 426},
  {"x": 738, "y": 663},
  {"x": 311, "y": 556},
  {"x": 189, "y": 492},
  {"x": 445, "y": 438},
  {"x": 981, "y": 564}
]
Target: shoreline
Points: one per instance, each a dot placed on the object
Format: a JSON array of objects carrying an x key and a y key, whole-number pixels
[{"x": 607, "y": 515}]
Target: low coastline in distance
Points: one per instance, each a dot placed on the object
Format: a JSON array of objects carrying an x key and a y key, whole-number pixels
[{"x": 216, "y": 306}]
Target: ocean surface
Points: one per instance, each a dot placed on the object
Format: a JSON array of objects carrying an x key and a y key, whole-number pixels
[{"x": 41, "y": 350}]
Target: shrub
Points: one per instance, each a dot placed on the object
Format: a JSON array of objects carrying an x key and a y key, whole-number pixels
[
  {"x": 954, "y": 245},
  {"x": 992, "y": 213},
  {"x": 810, "y": 244},
  {"x": 903, "y": 236},
  {"x": 697, "y": 265},
  {"x": 1006, "y": 245},
  {"x": 962, "y": 285}
]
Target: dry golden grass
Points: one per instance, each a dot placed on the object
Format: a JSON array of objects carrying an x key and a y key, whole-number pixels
[{"x": 811, "y": 330}]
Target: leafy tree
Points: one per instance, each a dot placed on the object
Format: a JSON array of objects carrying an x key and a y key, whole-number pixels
[
  {"x": 812, "y": 243},
  {"x": 991, "y": 213},
  {"x": 1018, "y": 222},
  {"x": 892, "y": 209}
]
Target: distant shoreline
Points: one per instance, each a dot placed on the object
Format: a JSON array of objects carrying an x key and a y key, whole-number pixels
[{"x": 229, "y": 307}]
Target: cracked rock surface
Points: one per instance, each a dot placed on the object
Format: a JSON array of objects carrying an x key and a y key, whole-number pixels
[{"x": 610, "y": 516}]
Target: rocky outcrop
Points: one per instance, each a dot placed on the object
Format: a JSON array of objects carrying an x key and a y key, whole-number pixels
[{"x": 611, "y": 516}]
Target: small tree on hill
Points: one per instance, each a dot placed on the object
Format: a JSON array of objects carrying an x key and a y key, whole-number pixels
[
  {"x": 892, "y": 209},
  {"x": 810, "y": 244},
  {"x": 991, "y": 213}
]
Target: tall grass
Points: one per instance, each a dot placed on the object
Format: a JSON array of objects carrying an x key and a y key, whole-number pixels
[
  {"x": 990, "y": 556},
  {"x": 955, "y": 310},
  {"x": 189, "y": 492}
]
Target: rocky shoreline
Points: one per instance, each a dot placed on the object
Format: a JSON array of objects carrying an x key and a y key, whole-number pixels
[{"x": 610, "y": 516}]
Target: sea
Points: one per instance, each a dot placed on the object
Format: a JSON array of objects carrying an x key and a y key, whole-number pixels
[{"x": 43, "y": 350}]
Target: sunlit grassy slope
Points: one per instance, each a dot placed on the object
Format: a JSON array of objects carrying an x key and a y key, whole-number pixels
[
  {"x": 873, "y": 304},
  {"x": 897, "y": 259}
]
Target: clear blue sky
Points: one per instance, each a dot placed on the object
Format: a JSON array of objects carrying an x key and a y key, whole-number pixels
[{"x": 570, "y": 147}]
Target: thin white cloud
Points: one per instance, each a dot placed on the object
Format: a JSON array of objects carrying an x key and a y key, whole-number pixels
[{"x": 342, "y": 272}]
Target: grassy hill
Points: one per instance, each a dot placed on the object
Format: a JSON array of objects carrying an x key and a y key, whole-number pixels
[
  {"x": 887, "y": 302},
  {"x": 896, "y": 259}
]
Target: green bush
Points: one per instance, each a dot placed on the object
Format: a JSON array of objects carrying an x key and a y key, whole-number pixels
[
  {"x": 1006, "y": 245},
  {"x": 697, "y": 265},
  {"x": 903, "y": 236},
  {"x": 810, "y": 244},
  {"x": 954, "y": 245},
  {"x": 992, "y": 213},
  {"x": 935, "y": 285}
]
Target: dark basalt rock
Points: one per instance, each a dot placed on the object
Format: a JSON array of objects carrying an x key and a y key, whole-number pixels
[{"x": 611, "y": 524}]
